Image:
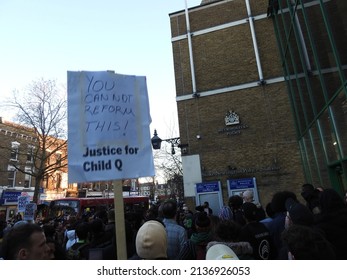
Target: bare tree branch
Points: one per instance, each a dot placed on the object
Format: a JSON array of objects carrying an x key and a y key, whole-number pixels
[{"x": 42, "y": 109}]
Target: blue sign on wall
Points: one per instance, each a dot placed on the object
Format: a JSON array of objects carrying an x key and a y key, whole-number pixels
[
  {"x": 242, "y": 183},
  {"x": 207, "y": 187},
  {"x": 10, "y": 196}
]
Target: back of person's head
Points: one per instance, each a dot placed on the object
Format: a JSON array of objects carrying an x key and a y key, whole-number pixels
[
  {"x": 269, "y": 211},
  {"x": 305, "y": 243},
  {"x": 71, "y": 223},
  {"x": 152, "y": 212},
  {"x": 17, "y": 238},
  {"x": 227, "y": 231},
  {"x": 151, "y": 241},
  {"x": 202, "y": 221},
  {"x": 330, "y": 201},
  {"x": 102, "y": 214},
  {"x": 82, "y": 230},
  {"x": 96, "y": 226},
  {"x": 298, "y": 213},
  {"x": 307, "y": 187},
  {"x": 248, "y": 196},
  {"x": 169, "y": 209},
  {"x": 235, "y": 202},
  {"x": 49, "y": 230},
  {"x": 278, "y": 202},
  {"x": 309, "y": 193},
  {"x": 250, "y": 211}
]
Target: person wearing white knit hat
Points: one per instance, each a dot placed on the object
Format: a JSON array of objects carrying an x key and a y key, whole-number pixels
[{"x": 151, "y": 241}]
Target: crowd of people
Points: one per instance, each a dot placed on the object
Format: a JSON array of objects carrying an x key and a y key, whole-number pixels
[{"x": 285, "y": 229}]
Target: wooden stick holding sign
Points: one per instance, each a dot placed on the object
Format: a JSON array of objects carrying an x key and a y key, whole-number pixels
[{"x": 119, "y": 219}]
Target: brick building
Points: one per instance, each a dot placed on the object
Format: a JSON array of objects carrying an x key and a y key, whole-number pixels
[
  {"x": 20, "y": 147},
  {"x": 243, "y": 108},
  {"x": 233, "y": 107}
]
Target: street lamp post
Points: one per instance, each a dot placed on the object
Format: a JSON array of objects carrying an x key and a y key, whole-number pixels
[{"x": 175, "y": 142}]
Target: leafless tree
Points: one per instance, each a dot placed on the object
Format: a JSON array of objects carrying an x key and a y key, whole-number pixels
[
  {"x": 42, "y": 107},
  {"x": 170, "y": 167}
]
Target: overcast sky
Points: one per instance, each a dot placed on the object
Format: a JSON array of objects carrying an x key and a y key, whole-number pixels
[{"x": 47, "y": 38}]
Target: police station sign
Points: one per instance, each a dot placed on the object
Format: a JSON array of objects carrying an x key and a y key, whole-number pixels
[{"x": 108, "y": 127}]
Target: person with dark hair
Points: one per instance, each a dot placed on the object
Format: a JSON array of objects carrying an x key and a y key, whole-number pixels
[
  {"x": 26, "y": 241},
  {"x": 101, "y": 242},
  {"x": 255, "y": 233},
  {"x": 269, "y": 214},
  {"x": 277, "y": 225},
  {"x": 176, "y": 234},
  {"x": 207, "y": 208},
  {"x": 152, "y": 212},
  {"x": 298, "y": 214},
  {"x": 333, "y": 221},
  {"x": 130, "y": 232},
  {"x": 235, "y": 204},
  {"x": 57, "y": 251},
  {"x": 311, "y": 196},
  {"x": 227, "y": 233},
  {"x": 305, "y": 243},
  {"x": 195, "y": 247}
]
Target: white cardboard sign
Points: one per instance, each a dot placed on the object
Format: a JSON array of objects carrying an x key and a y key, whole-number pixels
[{"x": 108, "y": 127}]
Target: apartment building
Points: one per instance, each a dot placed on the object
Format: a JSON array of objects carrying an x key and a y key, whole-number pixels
[{"x": 19, "y": 160}]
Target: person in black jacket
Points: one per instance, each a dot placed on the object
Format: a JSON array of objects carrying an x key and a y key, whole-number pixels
[{"x": 333, "y": 221}]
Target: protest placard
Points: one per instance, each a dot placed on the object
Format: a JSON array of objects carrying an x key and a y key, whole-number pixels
[{"x": 108, "y": 127}]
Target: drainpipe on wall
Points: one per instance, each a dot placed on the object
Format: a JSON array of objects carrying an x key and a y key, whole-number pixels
[
  {"x": 255, "y": 45},
  {"x": 192, "y": 68}
]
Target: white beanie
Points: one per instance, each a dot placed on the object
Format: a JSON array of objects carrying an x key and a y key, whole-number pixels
[
  {"x": 220, "y": 252},
  {"x": 151, "y": 241}
]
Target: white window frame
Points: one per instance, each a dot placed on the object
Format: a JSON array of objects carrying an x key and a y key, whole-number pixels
[
  {"x": 14, "y": 150},
  {"x": 12, "y": 169}
]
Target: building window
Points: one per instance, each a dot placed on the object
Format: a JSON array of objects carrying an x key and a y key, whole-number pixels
[
  {"x": 48, "y": 155},
  {"x": 30, "y": 153},
  {"x": 58, "y": 159},
  {"x": 11, "y": 176},
  {"x": 57, "y": 180},
  {"x": 27, "y": 177},
  {"x": 14, "y": 150}
]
